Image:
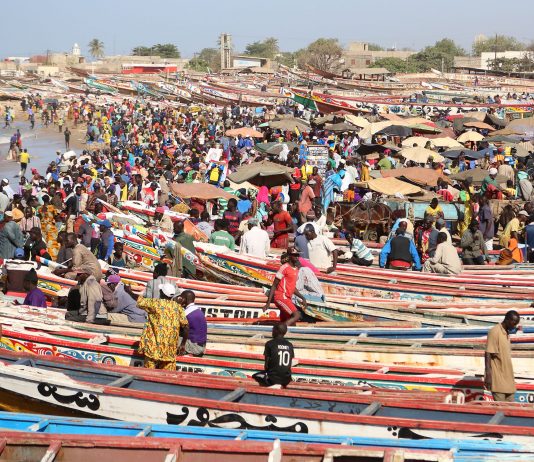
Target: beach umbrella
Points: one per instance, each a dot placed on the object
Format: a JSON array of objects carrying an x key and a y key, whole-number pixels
[
  {"x": 342, "y": 127},
  {"x": 275, "y": 148},
  {"x": 500, "y": 139},
  {"x": 365, "y": 149},
  {"x": 470, "y": 136},
  {"x": 525, "y": 126},
  {"x": 264, "y": 173},
  {"x": 468, "y": 153},
  {"x": 480, "y": 125},
  {"x": 426, "y": 128},
  {"x": 359, "y": 121},
  {"x": 522, "y": 149},
  {"x": 290, "y": 124},
  {"x": 420, "y": 155},
  {"x": 396, "y": 130},
  {"x": 477, "y": 175},
  {"x": 373, "y": 128},
  {"x": 244, "y": 131},
  {"x": 413, "y": 140},
  {"x": 446, "y": 142}
]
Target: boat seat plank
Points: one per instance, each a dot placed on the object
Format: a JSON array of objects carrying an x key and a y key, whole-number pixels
[
  {"x": 372, "y": 409},
  {"x": 234, "y": 395},
  {"x": 145, "y": 431},
  {"x": 497, "y": 418},
  {"x": 37, "y": 427},
  {"x": 122, "y": 381},
  {"x": 52, "y": 451}
]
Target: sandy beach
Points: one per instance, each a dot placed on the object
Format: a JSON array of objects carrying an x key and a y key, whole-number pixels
[{"x": 41, "y": 142}]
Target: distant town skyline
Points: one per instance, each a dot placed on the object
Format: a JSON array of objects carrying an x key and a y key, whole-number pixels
[{"x": 56, "y": 25}]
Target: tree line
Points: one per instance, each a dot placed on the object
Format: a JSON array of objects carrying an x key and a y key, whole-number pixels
[{"x": 327, "y": 54}]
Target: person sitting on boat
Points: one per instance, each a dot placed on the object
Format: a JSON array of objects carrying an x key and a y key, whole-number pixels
[
  {"x": 92, "y": 309},
  {"x": 160, "y": 339},
  {"x": 434, "y": 209},
  {"x": 82, "y": 260},
  {"x": 400, "y": 252},
  {"x": 34, "y": 296},
  {"x": 322, "y": 251},
  {"x": 490, "y": 187},
  {"x": 198, "y": 327},
  {"x": 361, "y": 255},
  {"x": 159, "y": 277},
  {"x": 163, "y": 221},
  {"x": 426, "y": 238},
  {"x": 474, "y": 251},
  {"x": 123, "y": 306},
  {"x": 279, "y": 354},
  {"x": 445, "y": 260},
  {"x": 284, "y": 287}
]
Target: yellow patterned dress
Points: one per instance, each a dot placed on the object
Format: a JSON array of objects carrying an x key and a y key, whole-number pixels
[
  {"x": 161, "y": 334},
  {"x": 48, "y": 214}
]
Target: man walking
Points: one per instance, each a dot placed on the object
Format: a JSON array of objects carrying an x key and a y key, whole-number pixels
[
  {"x": 499, "y": 375},
  {"x": 66, "y": 134},
  {"x": 283, "y": 289}
]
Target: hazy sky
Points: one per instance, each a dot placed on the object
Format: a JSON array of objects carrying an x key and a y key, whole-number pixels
[{"x": 33, "y": 26}]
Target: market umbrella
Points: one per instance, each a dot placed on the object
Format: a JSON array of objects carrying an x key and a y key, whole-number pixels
[
  {"x": 446, "y": 142},
  {"x": 275, "y": 147},
  {"x": 426, "y": 128},
  {"x": 203, "y": 191},
  {"x": 470, "y": 136},
  {"x": 290, "y": 124},
  {"x": 359, "y": 121},
  {"x": 500, "y": 139},
  {"x": 521, "y": 149},
  {"x": 396, "y": 130},
  {"x": 525, "y": 126},
  {"x": 264, "y": 173},
  {"x": 468, "y": 153},
  {"x": 245, "y": 131},
  {"x": 420, "y": 155},
  {"x": 324, "y": 119},
  {"x": 342, "y": 127},
  {"x": 480, "y": 125},
  {"x": 477, "y": 175},
  {"x": 366, "y": 149},
  {"x": 413, "y": 140}
]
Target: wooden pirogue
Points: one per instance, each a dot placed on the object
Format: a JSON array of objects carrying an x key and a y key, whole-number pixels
[
  {"x": 262, "y": 271},
  {"x": 32, "y": 447},
  {"x": 108, "y": 349},
  {"x": 64, "y": 428},
  {"x": 162, "y": 398},
  {"x": 241, "y": 302}
]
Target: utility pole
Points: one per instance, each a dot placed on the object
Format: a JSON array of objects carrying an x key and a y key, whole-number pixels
[{"x": 226, "y": 51}]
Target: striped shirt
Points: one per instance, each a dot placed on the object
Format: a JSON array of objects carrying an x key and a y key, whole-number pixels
[{"x": 359, "y": 249}]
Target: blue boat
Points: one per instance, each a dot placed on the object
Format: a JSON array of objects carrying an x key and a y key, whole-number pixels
[{"x": 63, "y": 426}]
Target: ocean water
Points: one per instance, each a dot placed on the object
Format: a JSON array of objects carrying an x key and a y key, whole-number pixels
[{"x": 42, "y": 144}]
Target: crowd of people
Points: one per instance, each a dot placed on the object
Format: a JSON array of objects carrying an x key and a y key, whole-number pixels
[{"x": 136, "y": 149}]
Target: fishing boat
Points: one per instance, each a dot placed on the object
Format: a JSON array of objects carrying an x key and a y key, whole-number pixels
[
  {"x": 90, "y": 448},
  {"x": 72, "y": 427},
  {"x": 262, "y": 271},
  {"x": 86, "y": 390},
  {"x": 88, "y": 343}
]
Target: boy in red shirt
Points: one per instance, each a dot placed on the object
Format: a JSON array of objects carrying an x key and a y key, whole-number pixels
[
  {"x": 283, "y": 225},
  {"x": 283, "y": 289}
]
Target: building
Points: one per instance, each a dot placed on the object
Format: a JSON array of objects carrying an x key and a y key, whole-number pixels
[
  {"x": 487, "y": 58},
  {"x": 358, "y": 56},
  {"x": 244, "y": 61}
]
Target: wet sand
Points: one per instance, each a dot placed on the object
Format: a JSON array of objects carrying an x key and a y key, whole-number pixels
[{"x": 42, "y": 144}]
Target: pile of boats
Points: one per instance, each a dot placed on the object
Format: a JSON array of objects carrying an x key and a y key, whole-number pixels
[{"x": 392, "y": 369}]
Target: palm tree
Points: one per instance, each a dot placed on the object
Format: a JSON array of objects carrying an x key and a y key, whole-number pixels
[{"x": 96, "y": 48}]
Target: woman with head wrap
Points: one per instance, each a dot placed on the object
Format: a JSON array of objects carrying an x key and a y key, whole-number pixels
[{"x": 331, "y": 184}]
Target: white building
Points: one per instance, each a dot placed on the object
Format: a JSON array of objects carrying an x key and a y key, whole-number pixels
[{"x": 486, "y": 58}]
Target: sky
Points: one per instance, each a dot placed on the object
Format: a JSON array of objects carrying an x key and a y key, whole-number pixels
[{"x": 55, "y": 25}]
